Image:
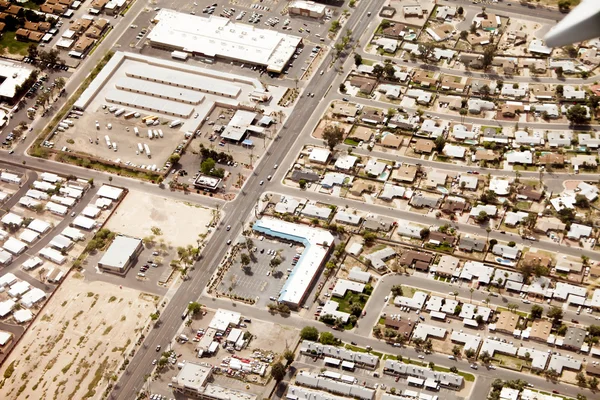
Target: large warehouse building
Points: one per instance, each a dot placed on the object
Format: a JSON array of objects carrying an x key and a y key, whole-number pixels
[
  {"x": 218, "y": 37},
  {"x": 317, "y": 244},
  {"x": 121, "y": 254}
]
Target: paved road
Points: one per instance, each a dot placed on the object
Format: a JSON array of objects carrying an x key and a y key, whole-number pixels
[
  {"x": 190, "y": 290},
  {"x": 484, "y": 376}
]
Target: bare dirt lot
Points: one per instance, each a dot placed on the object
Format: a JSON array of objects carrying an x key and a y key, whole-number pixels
[
  {"x": 140, "y": 212},
  {"x": 76, "y": 346}
]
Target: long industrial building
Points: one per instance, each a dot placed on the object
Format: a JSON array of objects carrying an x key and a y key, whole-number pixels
[
  {"x": 317, "y": 243},
  {"x": 218, "y": 37}
]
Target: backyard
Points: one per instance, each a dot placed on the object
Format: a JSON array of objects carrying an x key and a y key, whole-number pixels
[{"x": 10, "y": 44}]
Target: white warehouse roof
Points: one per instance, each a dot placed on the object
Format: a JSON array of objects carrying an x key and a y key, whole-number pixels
[
  {"x": 110, "y": 192},
  {"x": 220, "y": 37}
]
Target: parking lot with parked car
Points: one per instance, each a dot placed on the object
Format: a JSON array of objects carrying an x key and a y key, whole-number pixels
[{"x": 271, "y": 262}]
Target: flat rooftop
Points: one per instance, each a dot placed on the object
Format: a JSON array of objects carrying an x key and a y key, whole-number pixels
[
  {"x": 193, "y": 376},
  {"x": 316, "y": 242},
  {"x": 160, "y": 89},
  {"x": 219, "y": 37},
  {"x": 120, "y": 251},
  {"x": 12, "y": 75}
]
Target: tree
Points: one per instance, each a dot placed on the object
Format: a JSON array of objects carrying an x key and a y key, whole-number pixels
[
  {"x": 327, "y": 338},
  {"x": 59, "y": 83},
  {"x": 397, "y": 290},
  {"x": 278, "y": 371},
  {"x": 425, "y": 51},
  {"x": 302, "y": 184},
  {"x": 357, "y": 59},
  {"x": 581, "y": 396},
  {"x": 377, "y": 71},
  {"x": 593, "y": 383},
  {"x": 463, "y": 35},
  {"x": 485, "y": 90},
  {"x": 431, "y": 365},
  {"x": 470, "y": 353},
  {"x": 577, "y": 114},
  {"x": 289, "y": 356},
  {"x": 333, "y": 135},
  {"x": 174, "y": 158},
  {"x": 460, "y": 10},
  {"x": 439, "y": 142},
  {"x": 424, "y": 233},
  {"x": 454, "y": 370},
  {"x": 390, "y": 71},
  {"x": 581, "y": 381},
  {"x": 482, "y": 217},
  {"x": 369, "y": 238},
  {"x": 456, "y": 350},
  {"x": 581, "y": 201},
  {"x": 194, "y": 308},
  {"x": 555, "y": 314},
  {"x": 32, "y": 51},
  {"x": 488, "y": 56},
  {"x": 536, "y": 311},
  {"x": 245, "y": 259},
  {"x": 309, "y": 333},
  {"x": 485, "y": 357},
  {"x": 560, "y": 90},
  {"x": 207, "y": 166}
]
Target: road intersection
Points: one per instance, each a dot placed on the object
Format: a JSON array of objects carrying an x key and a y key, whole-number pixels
[{"x": 283, "y": 151}]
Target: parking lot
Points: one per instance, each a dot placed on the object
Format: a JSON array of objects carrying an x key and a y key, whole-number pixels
[
  {"x": 273, "y": 16},
  {"x": 260, "y": 281}
]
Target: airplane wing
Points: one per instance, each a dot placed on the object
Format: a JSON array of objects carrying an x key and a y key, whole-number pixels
[{"x": 582, "y": 23}]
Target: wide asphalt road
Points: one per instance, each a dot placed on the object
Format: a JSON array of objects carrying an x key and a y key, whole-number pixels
[{"x": 234, "y": 213}]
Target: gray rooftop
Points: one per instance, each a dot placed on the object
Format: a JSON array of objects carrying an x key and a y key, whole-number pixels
[{"x": 120, "y": 251}]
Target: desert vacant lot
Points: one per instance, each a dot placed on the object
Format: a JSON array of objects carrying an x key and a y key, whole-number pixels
[
  {"x": 180, "y": 223},
  {"x": 76, "y": 345}
]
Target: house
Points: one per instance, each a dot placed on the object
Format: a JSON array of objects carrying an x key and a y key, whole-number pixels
[
  {"x": 454, "y": 205},
  {"x": 319, "y": 155},
  {"x": 435, "y": 179},
  {"x": 507, "y": 322},
  {"x": 421, "y": 200},
  {"x": 421, "y": 96},
  {"x": 417, "y": 259},
  {"x": 405, "y": 228},
  {"x": 578, "y": 231},
  {"x": 516, "y": 90},
  {"x": 574, "y": 338},
  {"x": 469, "y": 182},
  {"x": 559, "y": 138},
  {"x": 529, "y": 193},
  {"x": 470, "y": 244},
  {"x": 551, "y": 159},
  {"x": 454, "y": 151},
  {"x": 424, "y": 146},
  {"x": 390, "y": 192},
  {"x": 511, "y": 109},
  {"x": 514, "y": 218},
  {"x": 431, "y": 128},
  {"x": 390, "y": 140},
  {"x": 489, "y": 209},
  {"x": 511, "y": 253},
  {"x": 345, "y": 162},
  {"x": 448, "y": 266},
  {"x": 83, "y": 44},
  {"x": 406, "y": 173},
  {"x": 439, "y": 237},
  {"x": 476, "y": 106},
  {"x": 475, "y": 269},
  {"x": 540, "y": 330},
  {"x": 413, "y": 11},
  {"x": 375, "y": 168},
  {"x": 485, "y": 155},
  {"x": 524, "y": 138},
  {"x": 519, "y": 157}
]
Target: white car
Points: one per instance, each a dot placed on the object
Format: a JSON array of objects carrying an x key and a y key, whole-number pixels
[
  {"x": 422, "y": 357},
  {"x": 261, "y": 183}
]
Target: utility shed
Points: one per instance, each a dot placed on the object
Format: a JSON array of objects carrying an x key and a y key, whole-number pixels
[{"x": 121, "y": 254}]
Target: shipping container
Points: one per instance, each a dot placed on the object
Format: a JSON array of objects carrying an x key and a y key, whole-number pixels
[
  {"x": 129, "y": 115},
  {"x": 136, "y": 131},
  {"x": 160, "y": 133},
  {"x": 150, "y": 134},
  {"x": 112, "y": 109},
  {"x": 175, "y": 123},
  {"x": 147, "y": 149},
  {"x": 140, "y": 148}
]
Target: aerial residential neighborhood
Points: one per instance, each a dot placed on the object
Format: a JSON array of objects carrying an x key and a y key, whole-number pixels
[{"x": 303, "y": 200}]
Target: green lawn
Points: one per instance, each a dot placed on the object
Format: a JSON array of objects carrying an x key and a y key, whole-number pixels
[
  {"x": 362, "y": 350},
  {"x": 10, "y": 44},
  {"x": 351, "y": 142},
  {"x": 351, "y": 299}
]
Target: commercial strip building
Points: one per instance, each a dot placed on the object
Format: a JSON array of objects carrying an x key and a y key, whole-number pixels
[
  {"x": 120, "y": 255},
  {"x": 218, "y": 37},
  {"x": 431, "y": 379},
  {"x": 337, "y": 356},
  {"x": 317, "y": 243},
  {"x": 193, "y": 380}
]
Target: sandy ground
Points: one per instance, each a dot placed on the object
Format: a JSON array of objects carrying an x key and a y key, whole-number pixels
[
  {"x": 139, "y": 212},
  {"x": 77, "y": 344}
]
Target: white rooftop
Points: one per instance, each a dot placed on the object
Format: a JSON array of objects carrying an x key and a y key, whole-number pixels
[
  {"x": 220, "y": 37},
  {"x": 12, "y": 75}
]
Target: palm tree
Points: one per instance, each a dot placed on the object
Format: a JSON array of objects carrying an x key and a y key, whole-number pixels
[
  {"x": 455, "y": 293},
  {"x": 471, "y": 290}
]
